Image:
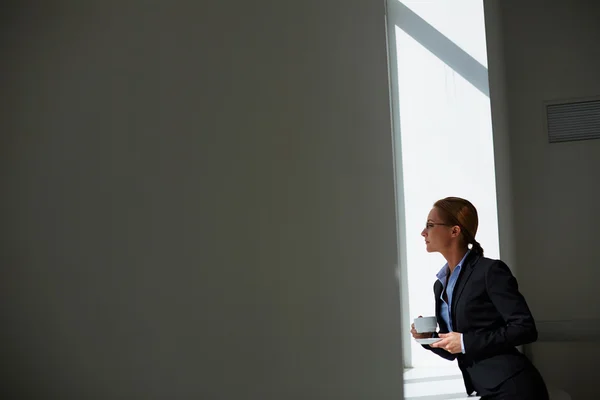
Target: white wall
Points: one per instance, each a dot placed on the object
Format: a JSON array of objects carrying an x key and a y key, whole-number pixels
[
  {"x": 198, "y": 202},
  {"x": 550, "y": 53}
]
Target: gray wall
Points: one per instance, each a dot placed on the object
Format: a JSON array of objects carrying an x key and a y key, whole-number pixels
[
  {"x": 550, "y": 52},
  {"x": 198, "y": 202}
]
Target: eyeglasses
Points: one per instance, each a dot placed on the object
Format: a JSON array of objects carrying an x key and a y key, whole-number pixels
[{"x": 430, "y": 225}]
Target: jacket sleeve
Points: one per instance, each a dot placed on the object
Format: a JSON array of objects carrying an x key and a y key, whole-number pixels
[{"x": 519, "y": 327}]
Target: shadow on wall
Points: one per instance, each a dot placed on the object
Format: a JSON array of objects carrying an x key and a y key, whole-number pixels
[{"x": 442, "y": 47}]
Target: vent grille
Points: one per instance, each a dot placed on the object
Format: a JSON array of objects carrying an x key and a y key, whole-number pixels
[{"x": 573, "y": 121}]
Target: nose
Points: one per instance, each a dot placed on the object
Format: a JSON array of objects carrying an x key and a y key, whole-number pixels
[{"x": 424, "y": 232}]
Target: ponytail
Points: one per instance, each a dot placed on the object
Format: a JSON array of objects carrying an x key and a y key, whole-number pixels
[{"x": 476, "y": 248}]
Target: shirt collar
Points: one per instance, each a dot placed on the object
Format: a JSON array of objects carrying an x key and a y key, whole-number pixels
[{"x": 441, "y": 275}]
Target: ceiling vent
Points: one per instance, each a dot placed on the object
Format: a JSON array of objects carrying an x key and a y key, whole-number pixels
[{"x": 573, "y": 120}]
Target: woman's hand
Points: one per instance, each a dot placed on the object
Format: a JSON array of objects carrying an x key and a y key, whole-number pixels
[
  {"x": 418, "y": 335},
  {"x": 450, "y": 342}
]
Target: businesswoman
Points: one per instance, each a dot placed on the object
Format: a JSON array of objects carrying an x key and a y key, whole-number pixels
[{"x": 481, "y": 314}]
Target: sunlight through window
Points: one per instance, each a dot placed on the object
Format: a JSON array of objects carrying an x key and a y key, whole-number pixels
[{"x": 443, "y": 136}]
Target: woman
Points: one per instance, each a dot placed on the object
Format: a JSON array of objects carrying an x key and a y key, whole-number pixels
[{"x": 481, "y": 314}]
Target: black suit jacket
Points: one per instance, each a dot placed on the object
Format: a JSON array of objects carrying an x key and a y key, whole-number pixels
[{"x": 493, "y": 316}]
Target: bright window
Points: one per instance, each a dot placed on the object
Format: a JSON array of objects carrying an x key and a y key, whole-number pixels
[{"x": 443, "y": 137}]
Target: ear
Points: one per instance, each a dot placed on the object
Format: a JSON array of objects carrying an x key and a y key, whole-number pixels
[{"x": 455, "y": 231}]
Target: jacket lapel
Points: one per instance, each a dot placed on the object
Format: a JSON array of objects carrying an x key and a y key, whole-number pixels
[{"x": 465, "y": 274}]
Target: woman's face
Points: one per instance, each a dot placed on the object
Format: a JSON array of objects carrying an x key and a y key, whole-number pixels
[{"x": 437, "y": 233}]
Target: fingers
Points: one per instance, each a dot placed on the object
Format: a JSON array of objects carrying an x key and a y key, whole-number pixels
[
  {"x": 442, "y": 343},
  {"x": 418, "y": 335},
  {"x": 413, "y": 331}
]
